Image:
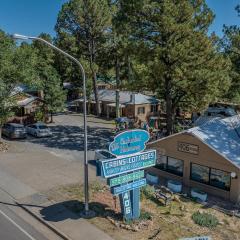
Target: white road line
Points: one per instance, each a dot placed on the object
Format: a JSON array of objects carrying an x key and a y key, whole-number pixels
[{"x": 16, "y": 225}]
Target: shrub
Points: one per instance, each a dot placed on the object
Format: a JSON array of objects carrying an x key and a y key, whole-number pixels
[
  {"x": 145, "y": 216},
  {"x": 205, "y": 219},
  {"x": 39, "y": 116},
  {"x": 147, "y": 192}
]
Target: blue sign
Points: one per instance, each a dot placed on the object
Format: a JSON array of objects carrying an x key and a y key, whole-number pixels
[
  {"x": 129, "y": 142},
  {"x": 117, "y": 166},
  {"x": 125, "y": 200},
  {"x": 135, "y": 198},
  {"x": 128, "y": 187}
]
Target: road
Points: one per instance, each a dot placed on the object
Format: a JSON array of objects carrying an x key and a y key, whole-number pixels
[
  {"x": 34, "y": 166},
  {"x": 12, "y": 227},
  {"x": 17, "y": 224}
]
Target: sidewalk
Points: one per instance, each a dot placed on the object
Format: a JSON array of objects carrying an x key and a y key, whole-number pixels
[
  {"x": 25, "y": 174},
  {"x": 58, "y": 216}
]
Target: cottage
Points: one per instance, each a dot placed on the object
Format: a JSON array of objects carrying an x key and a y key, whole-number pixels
[
  {"x": 132, "y": 105},
  {"x": 206, "y": 157},
  {"x": 25, "y": 107}
]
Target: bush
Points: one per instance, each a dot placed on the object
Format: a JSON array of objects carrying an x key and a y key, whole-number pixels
[
  {"x": 39, "y": 116},
  {"x": 145, "y": 216},
  {"x": 205, "y": 219},
  {"x": 147, "y": 192}
]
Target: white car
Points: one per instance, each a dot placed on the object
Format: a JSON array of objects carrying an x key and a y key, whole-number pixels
[{"x": 39, "y": 130}]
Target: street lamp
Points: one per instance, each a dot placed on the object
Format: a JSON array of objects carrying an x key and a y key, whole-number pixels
[{"x": 87, "y": 213}]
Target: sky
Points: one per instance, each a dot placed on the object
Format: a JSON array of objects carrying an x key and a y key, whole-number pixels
[{"x": 32, "y": 17}]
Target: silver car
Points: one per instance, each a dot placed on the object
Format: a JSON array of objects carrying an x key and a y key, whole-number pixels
[
  {"x": 14, "y": 130},
  {"x": 39, "y": 130}
]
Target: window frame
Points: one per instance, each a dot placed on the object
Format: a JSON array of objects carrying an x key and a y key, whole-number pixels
[
  {"x": 230, "y": 182},
  {"x": 209, "y": 177},
  {"x": 200, "y": 166},
  {"x": 154, "y": 108},
  {"x": 141, "y": 111},
  {"x": 166, "y": 168}
]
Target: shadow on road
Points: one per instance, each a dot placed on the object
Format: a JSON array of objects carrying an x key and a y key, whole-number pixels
[
  {"x": 72, "y": 209},
  {"x": 72, "y": 138}
]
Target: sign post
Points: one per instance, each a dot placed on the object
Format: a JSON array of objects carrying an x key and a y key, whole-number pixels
[
  {"x": 126, "y": 206},
  {"x": 125, "y": 174}
]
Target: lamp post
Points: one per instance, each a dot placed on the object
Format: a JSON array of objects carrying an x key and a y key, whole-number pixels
[{"x": 86, "y": 213}]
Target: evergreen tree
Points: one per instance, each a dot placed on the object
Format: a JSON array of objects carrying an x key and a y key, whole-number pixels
[
  {"x": 17, "y": 65},
  {"x": 231, "y": 45},
  {"x": 49, "y": 80},
  {"x": 86, "y": 22},
  {"x": 183, "y": 64}
]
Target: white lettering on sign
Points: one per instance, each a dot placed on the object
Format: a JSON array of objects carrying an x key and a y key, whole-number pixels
[
  {"x": 128, "y": 210},
  {"x": 129, "y": 160},
  {"x": 188, "y": 148}
]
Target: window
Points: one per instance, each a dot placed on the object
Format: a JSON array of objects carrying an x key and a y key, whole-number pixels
[
  {"x": 220, "y": 179},
  {"x": 175, "y": 166},
  {"x": 214, "y": 177},
  {"x": 153, "y": 108},
  {"x": 169, "y": 164},
  {"x": 162, "y": 162},
  {"x": 141, "y": 110},
  {"x": 200, "y": 173}
]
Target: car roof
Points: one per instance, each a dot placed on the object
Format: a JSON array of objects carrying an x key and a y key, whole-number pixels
[
  {"x": 16, "y": 124},
  {"x": 39, "y": 124}
]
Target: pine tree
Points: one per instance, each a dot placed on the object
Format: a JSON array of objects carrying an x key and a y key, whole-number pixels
[
  {"x": 17, "y": 65},
  {"x": 231, "y": 45},
  {"x": 49, "y": 80},
  {"x": 87, "y": 22},
  {"x": 183, "y": 64}
]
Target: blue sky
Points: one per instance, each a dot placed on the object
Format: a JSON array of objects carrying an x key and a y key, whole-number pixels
[{"x": 31, "y": 17}]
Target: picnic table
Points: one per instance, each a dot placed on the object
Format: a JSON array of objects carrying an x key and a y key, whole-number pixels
[{"x": 163, "y": 193}]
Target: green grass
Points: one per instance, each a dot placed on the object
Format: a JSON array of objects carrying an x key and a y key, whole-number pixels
[{"x": 205, "y": 219}]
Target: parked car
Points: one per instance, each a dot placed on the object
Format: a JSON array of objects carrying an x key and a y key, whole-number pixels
[
  {"x": 14, "y": 130},
  {"x": 39, "y": 130},
  {"x": 103, "y": 154}
]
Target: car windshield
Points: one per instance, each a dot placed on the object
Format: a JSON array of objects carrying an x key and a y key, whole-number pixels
[
  {"x": 107, "y": 154},
  {"x": 18, "y": 127},
  {"x": 42, "y": 127}
]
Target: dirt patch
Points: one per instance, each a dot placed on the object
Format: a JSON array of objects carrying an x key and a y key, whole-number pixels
[
  {"x": 4, "y": 147},
  {"x": 159, "y": 222}
]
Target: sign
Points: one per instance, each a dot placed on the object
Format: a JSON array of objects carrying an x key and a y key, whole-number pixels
[
  {"x": 121, "y": 172},
  {"x": 117, "y": 166},
  {"x": 125, "y": 200},
  {"x": 129, "y": 142},
  {"x": 128, "y": 187},
  {"x": 188, "y": 148},
  {"x": 135, "y": 198},
  {"x": 126, "y": 178},
  {"x": 197, "y": 238}
]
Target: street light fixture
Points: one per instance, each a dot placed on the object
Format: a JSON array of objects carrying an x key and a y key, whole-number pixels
[{"x": 87, "y": 213}]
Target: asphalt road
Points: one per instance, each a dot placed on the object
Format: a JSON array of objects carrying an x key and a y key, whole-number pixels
[{"x": 13, "y": 227}]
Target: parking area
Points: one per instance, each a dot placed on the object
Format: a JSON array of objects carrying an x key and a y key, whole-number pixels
[{"x": 44, "y": 163}]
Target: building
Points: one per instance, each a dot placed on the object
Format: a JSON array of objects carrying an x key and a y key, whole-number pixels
[
  {"x": 206, "y": 157},
  {"x": 25, "y": 107},
  {"x": 132, "y": 105}
]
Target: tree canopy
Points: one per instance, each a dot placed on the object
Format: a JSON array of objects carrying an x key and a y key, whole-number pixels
[{"x": 183, "y": 64}]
